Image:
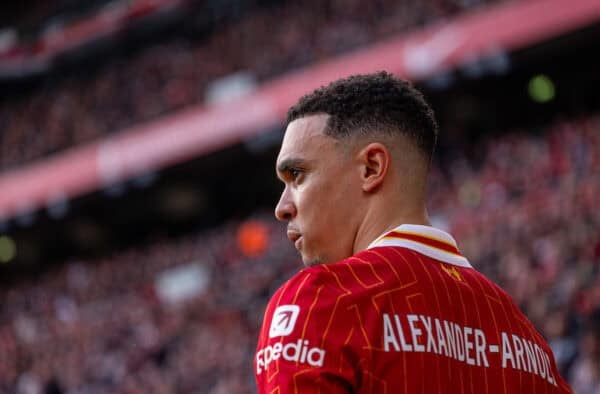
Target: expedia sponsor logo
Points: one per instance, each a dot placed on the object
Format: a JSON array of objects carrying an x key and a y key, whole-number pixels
[
  {"x": 284, "y": 320},
  {"x": 299, "y": 352}
]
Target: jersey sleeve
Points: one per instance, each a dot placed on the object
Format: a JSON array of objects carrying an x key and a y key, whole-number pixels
[{"x": 304, "y": 345}]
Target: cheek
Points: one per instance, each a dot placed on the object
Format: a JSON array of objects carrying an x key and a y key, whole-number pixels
[
  {"x": 315, "y": 209},
  {"x": 329, "y": 204},
  {"x": 343, "y": 192},
  {"x": 327, "y": 200}
]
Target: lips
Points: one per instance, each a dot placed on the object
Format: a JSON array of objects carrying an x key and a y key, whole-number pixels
[{"x": 294, "y": 236}]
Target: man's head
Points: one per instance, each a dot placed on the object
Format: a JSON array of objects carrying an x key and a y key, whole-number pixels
[{"x": 354, "y": 161}]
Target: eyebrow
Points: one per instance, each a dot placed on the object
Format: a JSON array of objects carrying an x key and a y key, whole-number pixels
[{"x": 289, "y": 164}]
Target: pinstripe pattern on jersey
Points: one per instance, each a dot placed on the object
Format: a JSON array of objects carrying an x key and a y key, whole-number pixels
[{"x": 341, "y": 308}]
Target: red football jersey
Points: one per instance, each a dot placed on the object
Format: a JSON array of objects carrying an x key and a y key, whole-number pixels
[{"x": 407, "y": 315}]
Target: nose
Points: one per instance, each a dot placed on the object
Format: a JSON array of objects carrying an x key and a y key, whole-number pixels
[{"x": 285, "y": 209}]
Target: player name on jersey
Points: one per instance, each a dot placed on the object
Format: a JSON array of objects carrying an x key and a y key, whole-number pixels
[{"x": 421, "y": 333}]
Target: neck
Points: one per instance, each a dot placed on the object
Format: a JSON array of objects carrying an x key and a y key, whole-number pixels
[{"x": 378, "y": 221}]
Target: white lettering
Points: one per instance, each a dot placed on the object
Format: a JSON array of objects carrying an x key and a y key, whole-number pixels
[
  {"x": 304, "y": 349},
  {"x": 519, "y": 353},
  {"x": 460, "y": 343},
  {"x": 267, "y": 353},
  {"x": 259, "y": 362},
  {"x": 416, "y": 332},
  {"x": 440, "y": 338},
  {"x": 468, "y": 345},
  {"x": 388, "y": 334},
  {"x": 318, "y": 362},
  {"x": 295, "y": 348},
  {"x": 405, "y": 346},
  {"x": 276, "y": 350},
  {"x": 430, "y": 338},
  {"x": 450, "y": 338},
  {"x": 507, "y": 354},
  {"x": 550, "y": 375},
  {"x": 480, "y": 346},
  {"x": 539, "y": 354},
  {"x": 432, "y": 335},
  {"x": 538, "y": 360},
  {"x": 532, "y": 365},
  {"x": 299, "y": 352}
]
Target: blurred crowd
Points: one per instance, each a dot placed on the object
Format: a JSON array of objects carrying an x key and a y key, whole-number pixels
[
  {"x": 163, "y": 78},
  {"x": 29, "y": 18},
  {"x": 101, "y": 326},
  {"x": 525, "y": 214}
]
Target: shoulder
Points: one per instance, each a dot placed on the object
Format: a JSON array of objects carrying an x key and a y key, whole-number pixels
[
  {"x": 333, "y": 283},
  {"x": 312, "y": 285},
  {"x": 372, "y": 268},
  {"x": 304, "y": 334},
  {"x": 305, "y": 318}
]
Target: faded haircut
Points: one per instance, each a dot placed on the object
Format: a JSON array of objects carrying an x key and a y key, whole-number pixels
[{"x": 369, "y": 104}]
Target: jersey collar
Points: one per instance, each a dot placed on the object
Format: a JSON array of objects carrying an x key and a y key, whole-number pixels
[{"x": 426, "y": 240}]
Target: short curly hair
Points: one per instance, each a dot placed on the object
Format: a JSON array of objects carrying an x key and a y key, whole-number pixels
[{"x": 370, "y": 104}]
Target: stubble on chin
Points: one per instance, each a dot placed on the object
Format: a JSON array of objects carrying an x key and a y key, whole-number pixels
[{"x": 311, "y": 262}]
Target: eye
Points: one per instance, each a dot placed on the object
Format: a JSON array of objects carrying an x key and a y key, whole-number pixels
[{"x": 295, "y": 173}]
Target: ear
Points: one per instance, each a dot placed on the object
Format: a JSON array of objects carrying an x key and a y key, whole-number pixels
[{"x": 374, "y": 160}]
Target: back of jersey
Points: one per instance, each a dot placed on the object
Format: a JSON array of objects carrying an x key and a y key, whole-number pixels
[
  {"x": 446, "y": 328},
  {"x": 408, "y": 315}
]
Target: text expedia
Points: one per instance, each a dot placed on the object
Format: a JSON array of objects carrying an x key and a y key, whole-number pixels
[{"x": 299, "y": 352}]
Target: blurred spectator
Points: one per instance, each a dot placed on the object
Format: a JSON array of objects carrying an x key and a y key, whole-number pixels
[{"x": 169, "y": 76}]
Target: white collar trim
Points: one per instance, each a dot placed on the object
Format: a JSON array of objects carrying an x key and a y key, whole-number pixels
[{"x": 406, "y": 236}]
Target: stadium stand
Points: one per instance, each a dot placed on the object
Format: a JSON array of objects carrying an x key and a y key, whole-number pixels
[
  {"x": 31, "y": 16},
  {"x": 524, "y": 211},
  {"x": 105, "y": 325},
  {"x": 137, "y": 87}
]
